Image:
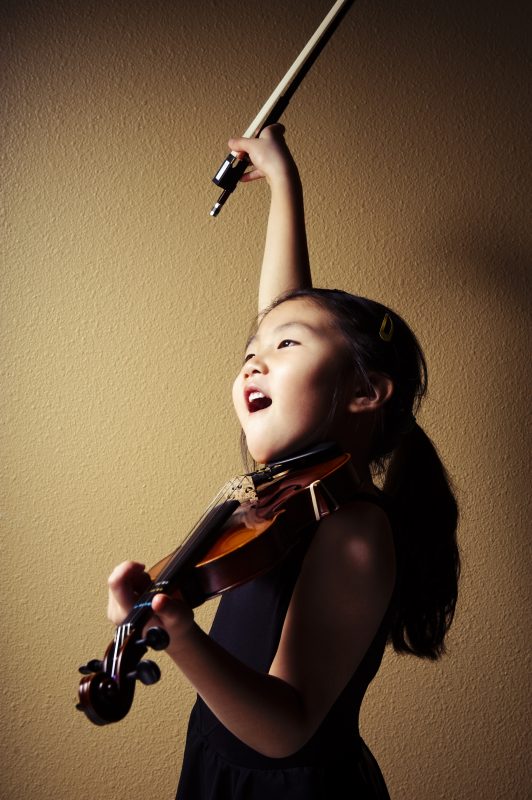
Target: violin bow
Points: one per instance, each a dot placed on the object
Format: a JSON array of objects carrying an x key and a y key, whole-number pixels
[{"x": 233, "y": 167}]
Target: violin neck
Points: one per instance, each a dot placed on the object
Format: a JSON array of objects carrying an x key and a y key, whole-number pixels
[{"x": 185, "y": 557}]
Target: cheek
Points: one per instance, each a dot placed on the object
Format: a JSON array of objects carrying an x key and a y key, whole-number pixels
[
  {"x": 316, "y": 386},
  {"x": 320, "y": 398}
]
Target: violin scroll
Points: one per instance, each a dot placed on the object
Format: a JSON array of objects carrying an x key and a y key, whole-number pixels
[{"x": 107, "y": 688}]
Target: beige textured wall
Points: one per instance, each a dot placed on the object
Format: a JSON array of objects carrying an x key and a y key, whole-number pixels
[{"x": 124, "y": 307}]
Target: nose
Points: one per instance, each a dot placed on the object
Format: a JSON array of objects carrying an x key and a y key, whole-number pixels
[{"x": 254, "y": 365}]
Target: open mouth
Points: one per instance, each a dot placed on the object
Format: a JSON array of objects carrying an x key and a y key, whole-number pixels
[{"x": 256, "y": 401}]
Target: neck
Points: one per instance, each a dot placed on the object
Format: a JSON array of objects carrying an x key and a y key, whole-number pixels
[
  {"x": 356, "y": 440},
  {"x": 361, "y": 467}
]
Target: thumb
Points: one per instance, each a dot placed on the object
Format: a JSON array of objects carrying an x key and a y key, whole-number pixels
[{"x": 174, "y": 613}]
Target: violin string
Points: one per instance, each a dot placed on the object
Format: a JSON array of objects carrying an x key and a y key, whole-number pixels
[
  {"x": 240, "y": 488},
  {"x": 121, "y": 633},
  {"x": 137, "y": 616}
]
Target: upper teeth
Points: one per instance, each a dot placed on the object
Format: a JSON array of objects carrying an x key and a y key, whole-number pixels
[{"x": 255, "y": 396}]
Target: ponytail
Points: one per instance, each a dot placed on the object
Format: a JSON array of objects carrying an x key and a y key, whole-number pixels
[{"x": 428, "y": 563}]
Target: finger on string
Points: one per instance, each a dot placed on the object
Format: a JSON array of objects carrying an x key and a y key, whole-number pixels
[{"x": 126, "y": 581}]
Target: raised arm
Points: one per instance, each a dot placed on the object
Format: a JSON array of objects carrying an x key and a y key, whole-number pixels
[{"x": 285, "y": 263}]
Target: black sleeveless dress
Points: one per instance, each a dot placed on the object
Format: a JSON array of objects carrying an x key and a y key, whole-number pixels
[{"x": 335, "y": 762}]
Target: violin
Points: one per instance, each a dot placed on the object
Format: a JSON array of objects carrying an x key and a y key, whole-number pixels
[{"x": 250, "y": 526}]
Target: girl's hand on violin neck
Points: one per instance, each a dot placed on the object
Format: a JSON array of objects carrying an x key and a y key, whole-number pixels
[
  {"x": 176, "y": 617},
  {"x": 269, "y": 155},
  {"x": 126, "y": 583}
]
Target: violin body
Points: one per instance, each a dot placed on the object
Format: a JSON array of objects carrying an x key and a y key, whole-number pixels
[{"x": 251, "y": 526}]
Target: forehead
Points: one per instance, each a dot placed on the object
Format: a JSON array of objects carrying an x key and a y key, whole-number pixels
[{"x": 299, "y": 310}]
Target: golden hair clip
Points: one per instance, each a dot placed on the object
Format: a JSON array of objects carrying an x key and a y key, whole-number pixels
[{"x": 386, "y": 329}]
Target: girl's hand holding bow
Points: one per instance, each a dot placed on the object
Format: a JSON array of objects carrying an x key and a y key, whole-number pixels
[{"x": 269, "y": 155}]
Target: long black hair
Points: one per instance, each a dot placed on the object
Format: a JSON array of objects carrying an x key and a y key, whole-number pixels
[{"x": 423, "y": 506}]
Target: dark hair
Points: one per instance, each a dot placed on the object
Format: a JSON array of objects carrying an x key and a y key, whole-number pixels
[{"x": 423, "y": 506}]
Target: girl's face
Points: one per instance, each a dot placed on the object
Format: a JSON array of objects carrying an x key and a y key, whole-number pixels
[{"x": 284, "y": 392}]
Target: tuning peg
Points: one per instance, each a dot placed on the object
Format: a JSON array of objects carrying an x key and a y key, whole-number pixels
[
  {"x": 94, "y": 665},
  {"x": 156, "y": 638},
  {"x": 147, "y": 672}
]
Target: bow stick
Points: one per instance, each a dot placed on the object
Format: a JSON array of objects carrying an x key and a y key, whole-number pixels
[{"x": 234, "y": 167}]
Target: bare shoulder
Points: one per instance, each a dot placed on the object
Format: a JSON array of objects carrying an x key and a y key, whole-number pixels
[
  {"x": 356, "y": 542},
  {"x": 348, "y": 574}
]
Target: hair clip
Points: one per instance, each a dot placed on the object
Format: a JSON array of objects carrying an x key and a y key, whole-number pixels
[{"x": 386, "y": 329}]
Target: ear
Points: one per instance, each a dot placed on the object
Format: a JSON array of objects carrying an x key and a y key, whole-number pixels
[{"x": 380, "y": 391}]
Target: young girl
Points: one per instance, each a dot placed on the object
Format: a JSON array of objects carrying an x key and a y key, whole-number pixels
[{"x": 282, "y": 674}]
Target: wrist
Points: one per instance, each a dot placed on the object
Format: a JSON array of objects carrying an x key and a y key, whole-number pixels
[
  {"x": 181, "y": 642},
  {"x": 285, "y": 171},
  {"x": 286, "y": 182}
]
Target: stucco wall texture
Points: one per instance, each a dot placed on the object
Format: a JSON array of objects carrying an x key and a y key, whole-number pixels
[{"x": 125, "y": 307}]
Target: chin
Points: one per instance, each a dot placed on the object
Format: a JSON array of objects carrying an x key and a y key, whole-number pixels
[
  {"x": 262, "y": 454},
  {"x": 268, "y": 455}
]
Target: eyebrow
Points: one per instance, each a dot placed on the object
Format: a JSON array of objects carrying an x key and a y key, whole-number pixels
[{"x": 280, "y": 328}]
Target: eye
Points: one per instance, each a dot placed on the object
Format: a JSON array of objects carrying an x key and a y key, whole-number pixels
[
  {"x": 286, "y": 343},
  {"x": 248, "y": 356}
]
